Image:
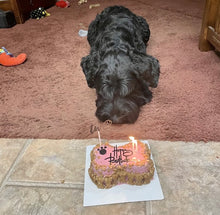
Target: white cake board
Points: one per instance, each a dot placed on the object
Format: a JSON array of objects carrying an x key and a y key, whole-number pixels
[{"x": 120, "y": 193}]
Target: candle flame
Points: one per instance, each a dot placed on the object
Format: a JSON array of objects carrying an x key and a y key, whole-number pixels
[{"x": 131, "y": 138}]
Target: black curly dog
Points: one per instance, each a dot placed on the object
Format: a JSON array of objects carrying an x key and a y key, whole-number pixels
[{"x": 118, "y": 66}]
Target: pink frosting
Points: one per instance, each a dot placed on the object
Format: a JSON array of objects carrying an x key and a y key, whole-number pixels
[{"x": 109, "y": 158}]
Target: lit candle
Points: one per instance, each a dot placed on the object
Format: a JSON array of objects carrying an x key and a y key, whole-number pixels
[{"x": 134, "y": 143}]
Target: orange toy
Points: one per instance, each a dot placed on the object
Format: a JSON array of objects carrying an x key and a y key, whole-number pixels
[{"x": 7, "y": 59}]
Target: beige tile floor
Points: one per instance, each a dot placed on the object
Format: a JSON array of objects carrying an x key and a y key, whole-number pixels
[{"x": 46, "y": 177}]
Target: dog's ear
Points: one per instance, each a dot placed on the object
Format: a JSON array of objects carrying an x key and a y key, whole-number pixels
[
  {"x": 89, "y": 65},
  {"x": 146, "y": 69},
  {"x": 93, "y": 31},
  {"x": 145, "y": 31}
]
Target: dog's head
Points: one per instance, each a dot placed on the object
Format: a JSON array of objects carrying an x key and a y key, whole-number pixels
[
  {"x": 119, "y": 110},
  {"x": 120, "y": 81}
]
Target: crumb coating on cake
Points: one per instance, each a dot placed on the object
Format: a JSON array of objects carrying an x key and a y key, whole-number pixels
[{"x": 113, "y": 165}]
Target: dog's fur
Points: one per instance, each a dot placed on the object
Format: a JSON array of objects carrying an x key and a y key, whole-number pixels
[{"x": 118, "y": 66}]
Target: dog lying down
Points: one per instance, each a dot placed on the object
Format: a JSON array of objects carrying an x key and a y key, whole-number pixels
[{"x": 118, "y": 66}]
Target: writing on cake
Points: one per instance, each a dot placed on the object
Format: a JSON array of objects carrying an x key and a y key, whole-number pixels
[{"x": 119, "y": 155}]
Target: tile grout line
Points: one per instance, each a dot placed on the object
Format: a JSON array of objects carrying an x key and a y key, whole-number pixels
[
  {"x": 149, "y": 208},
  {"x": 17, "y": 159},
  {"x": 45, "y": 184}
]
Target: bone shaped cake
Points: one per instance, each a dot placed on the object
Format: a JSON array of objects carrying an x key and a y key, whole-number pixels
[{"x": 114, "y": 165}]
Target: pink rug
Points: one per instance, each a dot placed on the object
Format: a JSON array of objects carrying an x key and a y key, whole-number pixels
[{"x": 48, "y": 97}]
